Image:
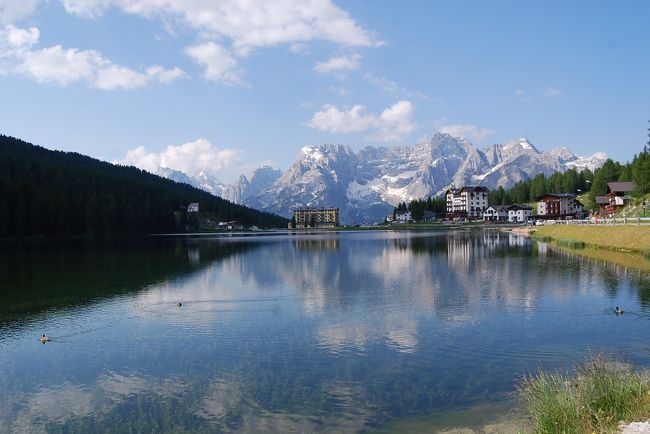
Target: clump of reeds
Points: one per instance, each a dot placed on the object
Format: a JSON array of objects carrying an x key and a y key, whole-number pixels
[
  {"x": 540, "y": 237},
  {"x": 597, "y": 398}
]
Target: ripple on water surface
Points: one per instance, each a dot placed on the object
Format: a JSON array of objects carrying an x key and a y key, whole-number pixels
[{"x": 287, "y": 335}]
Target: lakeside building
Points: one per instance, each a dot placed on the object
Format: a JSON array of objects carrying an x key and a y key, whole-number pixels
[
  {"x": 316, "y": 218},
  {"x": 403, "y": 217},
  {"x": 469, "y": 202},
  {"x": 519, "y": 213},
  {"x": 558, "y": 206},
  {"x": 495, "y": 214},
  {"x": 230, "y": 226},
  {"x": 618, "y": 194},
  {"x": 193, "y": 207}
]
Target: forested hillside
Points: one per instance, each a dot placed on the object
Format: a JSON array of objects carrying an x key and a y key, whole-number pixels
[{"x": 53, "y": 193}]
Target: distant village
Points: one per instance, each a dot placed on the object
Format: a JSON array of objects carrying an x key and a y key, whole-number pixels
[{"x": 470, "y": 203}]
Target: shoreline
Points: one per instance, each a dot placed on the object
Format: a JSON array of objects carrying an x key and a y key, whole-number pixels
[{"x": 625, "y": 239}]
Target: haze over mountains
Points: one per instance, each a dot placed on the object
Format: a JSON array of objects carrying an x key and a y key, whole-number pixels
[{"x": 367, "y": 184}]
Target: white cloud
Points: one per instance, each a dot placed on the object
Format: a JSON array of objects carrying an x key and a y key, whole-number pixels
[
  {"x": 395, "y": 122},
  {"x": 60, "y": 65},
  {"x": 333, "y": 120},
  {"x": 468, "y": 131},
  {"x": 336, "y": 65},
  {"x": 15, "y": 37},
  {"x": 218, "y": 62},
  {"x": 237, "y": 27},
  {"x": 385, "y": 84},
  {"x": 551, "y": 92},
  {"x": 247, "y": 23},
  {"x": 64, "y": 66},
  {"x": 391, "y": 124},
  {"x": 520, "y": 93},
  {"x": 192, "y": 158},
  {"x": 298, "y": 48},
  {"x": 13, "y": 10},
  {"x": 165, "y": 75}
]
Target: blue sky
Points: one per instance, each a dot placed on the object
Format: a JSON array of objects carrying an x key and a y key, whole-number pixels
[{"x": 225, "y": 86}]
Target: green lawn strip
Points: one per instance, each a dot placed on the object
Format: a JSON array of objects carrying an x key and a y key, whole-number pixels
[{"x": 630, "y": 237}]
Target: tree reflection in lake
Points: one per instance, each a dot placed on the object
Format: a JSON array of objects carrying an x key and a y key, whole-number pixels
[{"x": 294, "y": 333}]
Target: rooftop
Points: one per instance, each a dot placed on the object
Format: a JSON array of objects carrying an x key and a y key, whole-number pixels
[{"x": 620, "y": 187}]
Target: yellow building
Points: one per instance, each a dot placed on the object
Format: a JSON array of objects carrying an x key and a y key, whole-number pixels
[{"x": 316, "y": 218}]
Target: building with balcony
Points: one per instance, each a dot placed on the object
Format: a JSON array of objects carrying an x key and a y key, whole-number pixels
[
  {"x": 316, "y": 218},
  {"x": 468, "y": 202},
  {"x": 618, "y": 194},
  {"x": 558, "y": 206}
]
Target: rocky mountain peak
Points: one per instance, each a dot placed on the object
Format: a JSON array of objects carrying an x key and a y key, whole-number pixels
[{"x": 367, "y": 184}]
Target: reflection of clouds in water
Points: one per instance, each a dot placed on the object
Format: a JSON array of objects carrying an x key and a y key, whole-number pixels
[
  {"x": 56, "y": 405},
  {"x": 227, "y": 407},
  {"x": 397, "y": 331},
  {"x": 117, "y": 386},
  {"x": 69, "y": 401},
  {"x": 222, "y": 398},
  {"x": 459, "y": 278}
]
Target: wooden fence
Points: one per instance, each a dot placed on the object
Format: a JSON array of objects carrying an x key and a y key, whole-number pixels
[{"x": 636, "y": 221}]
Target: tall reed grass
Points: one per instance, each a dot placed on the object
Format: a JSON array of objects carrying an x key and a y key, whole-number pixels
[{"x": 596, "y": 399}]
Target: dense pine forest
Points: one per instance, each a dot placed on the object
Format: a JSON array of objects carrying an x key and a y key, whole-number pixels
[{"x": 54, "y": 193}]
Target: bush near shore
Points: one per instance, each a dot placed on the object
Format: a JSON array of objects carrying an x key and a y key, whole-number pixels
[
  {"x": 636, "y": 238},
  {"x": 596, "y": 399}
]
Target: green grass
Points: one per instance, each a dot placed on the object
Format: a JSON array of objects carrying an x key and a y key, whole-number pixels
[
  {"x": 539, "y": 237},
  {"x": 574, "y": 244},
  {"x": 597, "y": 398},
  {"x": 630, "y": 237}
]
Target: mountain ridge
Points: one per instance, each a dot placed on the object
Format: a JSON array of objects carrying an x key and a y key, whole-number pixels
[{"x": 368, "y": 183}]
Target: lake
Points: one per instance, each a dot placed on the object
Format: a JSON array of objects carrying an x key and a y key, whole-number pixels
[{"x": 332, "y": 332}]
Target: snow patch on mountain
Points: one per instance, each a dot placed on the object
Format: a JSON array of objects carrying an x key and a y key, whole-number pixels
[{"x": 366, "y": 185}]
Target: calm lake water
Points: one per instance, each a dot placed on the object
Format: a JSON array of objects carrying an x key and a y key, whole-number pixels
[{"x": 341, "y": 332}]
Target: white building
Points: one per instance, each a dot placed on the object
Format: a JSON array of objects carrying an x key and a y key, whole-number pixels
[
  {"x": 403, "y": 217},
  {"x": 519, "y": 213},
  {"x": 193, "y": 207},
  {"x": 468, "y": 202},
  {"x": 495, "y": 214}
]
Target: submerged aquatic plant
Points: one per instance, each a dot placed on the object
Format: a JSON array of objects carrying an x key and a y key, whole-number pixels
[{"x": 597, "y": 398}]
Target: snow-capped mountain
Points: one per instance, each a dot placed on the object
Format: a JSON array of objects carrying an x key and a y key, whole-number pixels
[{"x": 366, "y": 185}]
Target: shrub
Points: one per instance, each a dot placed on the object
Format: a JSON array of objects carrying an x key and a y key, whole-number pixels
[{"x": 596, "y": 399}]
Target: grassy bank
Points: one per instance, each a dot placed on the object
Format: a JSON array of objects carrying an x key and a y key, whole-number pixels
[
  {"x": 631, "y": 260},
  {"x": 635, "y": 238},
  {"x": 597, "y": 398}
]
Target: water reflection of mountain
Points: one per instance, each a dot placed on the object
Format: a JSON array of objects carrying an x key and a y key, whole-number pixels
[
  {"x": 42, "y": 275},
  {"x": 301, "y": 334}
]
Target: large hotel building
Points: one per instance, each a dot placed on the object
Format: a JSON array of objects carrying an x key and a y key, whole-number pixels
[{"x": 316, "y": 218}]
